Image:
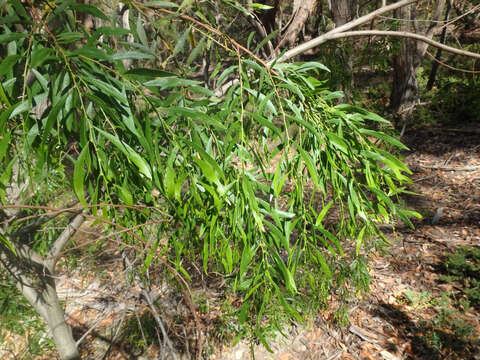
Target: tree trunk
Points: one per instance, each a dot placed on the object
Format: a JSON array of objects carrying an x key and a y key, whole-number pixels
[
  {"x": 34, "y": 277},
  {"x": 406, "y": 64},
  {"x": 342, "y": 13},
  {"x": 301, "y": 12},
  {"x": 45, "y": 301}
]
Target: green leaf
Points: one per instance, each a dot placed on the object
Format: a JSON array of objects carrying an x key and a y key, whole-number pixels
[
  {"x": 322, "y": 214},
  {"x": 141, "y": 31},
  {"x": 11, "y": 37},
  {"x": 309, "y": 163},
  {"x": 107, "y": 89},
  {"x": 8, "y": 63},
  {"x": 41, "y": 79},
  {"x": 52, "y": 117},
  {"x": 132, "y": 55},
  {"x": 180, "y": 45},
  {"x": 196, "y": 51},
  {"x": 131, "y": 154},
  {"x": 4, "y": 142},
  {"x": 321, "y": 260},
  {"x": 359, "y": 240},
  {"x": 91, "y": 52},
  {"x": 263, "y": 98},
  {"x": 148, "y": 73},
  {"x": 89, "y": 9},
  {"x": 7, "y": 243},
  {"x": 125, "y": 194},
  {"x": 171, "y": 82},
  {"x": 387, "y": 138},
  {"x": 161, "y": 4},
  {"x": 260, "y": 6},
  {"x": 252, "y": 201},
  {"x": 337, "y": 141},
  {"x": 79, "y": 175},
  {"x": 69, "y": 37}
]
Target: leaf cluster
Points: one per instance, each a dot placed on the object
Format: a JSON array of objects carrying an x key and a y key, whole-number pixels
[{"x": 274, "y": 185}]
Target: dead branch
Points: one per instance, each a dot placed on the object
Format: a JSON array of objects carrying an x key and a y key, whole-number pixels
[{"x": 451, "y": 168}]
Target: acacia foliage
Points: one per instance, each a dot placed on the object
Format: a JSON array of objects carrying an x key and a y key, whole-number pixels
[{"x": 273, "y": 184}]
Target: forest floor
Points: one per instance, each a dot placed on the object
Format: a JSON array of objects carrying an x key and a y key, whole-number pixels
[{"x": 421, "y": 304}]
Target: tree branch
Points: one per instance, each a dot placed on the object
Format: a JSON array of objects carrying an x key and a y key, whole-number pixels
[
  {"x": 62, "y": 240},
  {"x": 403, "y": 34},
  {"x": 327, "y": 36}
]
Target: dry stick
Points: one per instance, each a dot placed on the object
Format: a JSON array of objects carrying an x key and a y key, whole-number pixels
[
  {"x": 321, "y": 39},
  {"x": 55, "y": 211},
  {"x": 153, "y": 308},
  {"x": 188, "y": 299},
  {"x": 451, "y": 168},
  {"x": 85, "y": 334},
  {"x": 114, "y": 338}
]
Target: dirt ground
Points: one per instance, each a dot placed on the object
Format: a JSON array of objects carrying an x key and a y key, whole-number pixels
[{"x": 411, "y": 312}]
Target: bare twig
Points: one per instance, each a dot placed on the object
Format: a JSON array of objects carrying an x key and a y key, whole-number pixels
[
  {"x": 153, "y": 308},
  {"x": 336, "y": 355},
  {"x": 85, "y": 334},
  {"x": 114, "y": 338},
  {"x": 40, "y": 220},
  {"x": 361, "y": 334}
]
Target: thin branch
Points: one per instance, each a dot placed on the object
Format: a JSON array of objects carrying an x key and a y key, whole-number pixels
[
  {"x": 40, "y": 220},
  {"x": 153, "y": 308},
  {"x": 350, "y": 25},
  {"x": 65, "y": 236},
  {"x": 453, "y": 68},
  {"x": 403, "y": 34}
]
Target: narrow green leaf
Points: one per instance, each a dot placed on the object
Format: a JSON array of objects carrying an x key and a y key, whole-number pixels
[
  {"x": 79, "y": 176},
  {"x": 131, "y": 154},
  {"x": 89, "y": 9},
  {"x": 141, "y": 31},
  {"x": 11, "y": 37},
  {"x": 322, "y": 214},
  {"x": 387, "y": 138},
  {"x": 180, "y": 45},
  {"x": 161, "y": 4},
  {"x": 359, "y": 240},
  {"x": 171, "y": 82},
  {"x": 8, "y": 63},
  {"x": 132, "y": 55}
]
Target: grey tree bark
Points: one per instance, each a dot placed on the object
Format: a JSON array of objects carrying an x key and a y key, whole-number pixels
[
  {"x": 342, "y": 13},
  {"x": 406, "y": 64},
  {"x": 35, "y": 278},
  {"x": 302, "y": 9}
]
